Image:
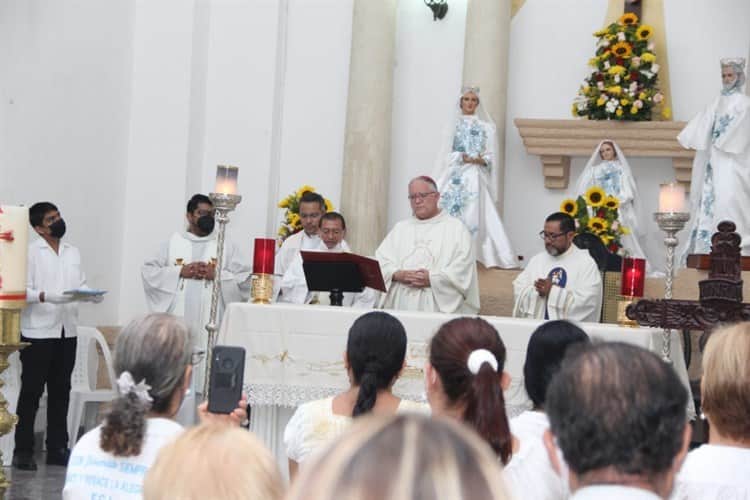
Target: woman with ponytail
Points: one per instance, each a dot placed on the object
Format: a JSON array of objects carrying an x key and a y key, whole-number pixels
[
  {"x": 153, "y": 363},
  {"x": 374, "y": 358},
  {"x": 465, "y": 380}
]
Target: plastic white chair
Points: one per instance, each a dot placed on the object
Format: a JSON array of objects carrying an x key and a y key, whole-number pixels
[{"x": 83, "y": 380}]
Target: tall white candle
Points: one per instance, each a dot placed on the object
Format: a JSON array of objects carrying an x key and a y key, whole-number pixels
[
  {"x": 672, "y": 198},
  {"x": 14, "y": 244},
  {"x": 226, "y": 179}
]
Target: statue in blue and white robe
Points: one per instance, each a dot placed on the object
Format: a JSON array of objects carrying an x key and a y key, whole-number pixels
[
  {"x": 609, "y": 169},
  {"x": 467, "y": 180},
  {"x": 720, "y": 183}
]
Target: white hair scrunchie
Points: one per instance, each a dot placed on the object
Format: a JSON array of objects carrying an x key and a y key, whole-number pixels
[
  {"x": 478, "y": 357},
  {"x": 126, "y": 384}
]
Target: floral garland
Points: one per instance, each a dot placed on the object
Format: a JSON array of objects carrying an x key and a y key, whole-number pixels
[
  {"x": 596, "y": 212},
  {"x": 623, "y": 85},
  {"x": 292, "y": 223}
]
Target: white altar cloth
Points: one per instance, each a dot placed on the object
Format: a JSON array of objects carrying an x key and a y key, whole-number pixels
[{"x": 294, "y": 354}]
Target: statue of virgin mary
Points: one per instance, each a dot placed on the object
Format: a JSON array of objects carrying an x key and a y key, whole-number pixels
[{"x": 467, "y": 180}]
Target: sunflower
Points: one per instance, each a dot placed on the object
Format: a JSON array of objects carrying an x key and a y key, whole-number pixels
[
  {"x": 644, "y": 32},
  {"x": 569, "y": 206},
  {"x": 622, "y": 49},
  {"x": 304, "y": 189},
  {"x": 329, "y": 205},
  {"x": 611, "y": 202},
  {"x": 628, "y": 19},
  {"x": 595, "y": 196},
  {"x": 597, "y": 224}
]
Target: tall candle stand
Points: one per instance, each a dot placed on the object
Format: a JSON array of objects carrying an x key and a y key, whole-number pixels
[
  {"x": 671, "y": 223},
  {"x": 223, "y": 204},
  {"x": 10, "y": 342}
]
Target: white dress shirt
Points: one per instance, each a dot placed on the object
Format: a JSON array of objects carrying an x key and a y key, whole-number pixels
[
  {"x": 52, "y": 273},
  {"x": 613, "y": 492}
]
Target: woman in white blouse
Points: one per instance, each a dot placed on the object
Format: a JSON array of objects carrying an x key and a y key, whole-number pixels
[
  {"x": 720, "y": 469},
  {"x": 374, "y": 358}
]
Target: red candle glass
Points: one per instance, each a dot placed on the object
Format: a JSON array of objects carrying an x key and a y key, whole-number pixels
[
  {"x": 633, "y": 277},
  {"x": 263, "y": 258}
]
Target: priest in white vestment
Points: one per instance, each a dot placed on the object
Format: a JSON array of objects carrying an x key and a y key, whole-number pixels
[
  {"x": 428, "y": 260},
  {"x": 294, "y": 285},
  {"x": 311, "y": 207},
  {"x": 177, "y": 280},
  {"x": 720, "y": 183},
  {"x": 563, "y": 282}
]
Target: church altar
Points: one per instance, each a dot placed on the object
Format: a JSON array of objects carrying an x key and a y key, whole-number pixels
[{"x": 295, "y": 354}]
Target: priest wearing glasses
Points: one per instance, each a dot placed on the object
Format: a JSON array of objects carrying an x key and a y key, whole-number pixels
[
  {"x": 563, "y": 282},
  {"x": 427, "y": 260}
]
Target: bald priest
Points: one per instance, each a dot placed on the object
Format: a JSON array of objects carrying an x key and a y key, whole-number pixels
[{"x": 428, "y": 261}]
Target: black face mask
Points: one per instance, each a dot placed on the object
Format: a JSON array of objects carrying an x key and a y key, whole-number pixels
[
  {"x": 206, "y": 223},
  {"x": 57, "y": 229}
]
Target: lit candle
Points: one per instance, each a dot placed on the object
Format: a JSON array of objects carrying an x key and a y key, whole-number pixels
[
  {"x": 14, "y": 239},
  {"x": 672, "y": 198},
  {"x": 226, "y": 179},
  {"x": 263, "y": 257}
]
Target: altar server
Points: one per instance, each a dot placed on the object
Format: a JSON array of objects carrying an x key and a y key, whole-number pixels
[
  {"x": 428, "y": 261},
  {"x": 49, "y": 324},
  {"x": 177, "y": 280},
  {"x": 294, "y": 285},
  {"x": 563, "y": 282}
]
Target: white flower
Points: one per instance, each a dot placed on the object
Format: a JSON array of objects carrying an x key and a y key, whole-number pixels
[
  {"x": 655, "y": 68},
  {"x": 578, "y": 224},
  {"x": 600, "y": 85},
  {"x": 611, "y": 105},
  {"x": 658, "y": 97},
  {"x": 638, "y": 104},
  {"x": 633, "y": 87},
  {"x": 647, "y": 73},
  {"x": 635, "y": 61},
  {"x": 606, "y": 64},
  {"x": 650, "y": 46},
  {"x": 617, "y": 78},
  {"x": 615, "y": 225},
  {"x": 621, "y": 36}
]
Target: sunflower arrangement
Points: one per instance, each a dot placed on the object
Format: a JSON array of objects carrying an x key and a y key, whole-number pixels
[
  {"x": 624, "y": 82},
  {"x": 292, "y": 223},
  {"x": 596, "y": 212}
]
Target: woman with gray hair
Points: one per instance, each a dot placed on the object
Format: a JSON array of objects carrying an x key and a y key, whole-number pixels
[{"x": 153, "y": 360}]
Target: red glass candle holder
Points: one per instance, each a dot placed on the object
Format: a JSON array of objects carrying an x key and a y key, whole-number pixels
[
  {"x": 633, "y": 277},
  {"x": 263, "y": 257}
]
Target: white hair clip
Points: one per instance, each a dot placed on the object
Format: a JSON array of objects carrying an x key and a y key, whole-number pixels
[
  {"x": 126, "y": 384},
  {"x": 478, "y": 357}
]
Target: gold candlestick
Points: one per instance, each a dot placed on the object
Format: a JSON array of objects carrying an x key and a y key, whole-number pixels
[{"x": 10, "y": 342}]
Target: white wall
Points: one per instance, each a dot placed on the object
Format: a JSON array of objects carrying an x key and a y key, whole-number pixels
[
  {"x": 429, "y": 58},
  {"x": 64, "y": 118}
]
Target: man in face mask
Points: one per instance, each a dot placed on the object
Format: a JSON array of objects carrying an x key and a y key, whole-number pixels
[
  {"x": 178, "y": 279},
  {"x": 48, "y": 324},
  {"x": 563, "y": 282}
]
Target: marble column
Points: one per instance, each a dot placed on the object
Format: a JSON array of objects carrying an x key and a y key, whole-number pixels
[
  {"x": 486, "y": 66},
  {"x": 367, "y": 146}
]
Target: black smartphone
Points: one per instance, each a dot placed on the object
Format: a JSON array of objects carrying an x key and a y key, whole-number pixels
[{"x": 225, "y": 383}]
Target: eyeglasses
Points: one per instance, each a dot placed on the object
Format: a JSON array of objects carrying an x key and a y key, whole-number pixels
[
  {"x": 421, "y": 196},
  {"x": 196, "y": 357},
  {"x": 550, "y": 236}
]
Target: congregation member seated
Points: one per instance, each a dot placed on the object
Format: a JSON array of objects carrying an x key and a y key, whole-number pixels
[
  {"x": 403, "y": 457},
  {"x": 153, "y": 362},
  {"x": 719, "y": 470},
  {"x": 428, "y": 261},
  {"x": 214, "y": 461},
  {"x": 529, "y": 474},
  {"x": 465, "y": 380},
  {"x": 618, "y": 414},
  {"x": 374, "y": 358},
  {"x": 294, "y": 284},
  {"x": 563, "y": 282}
]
